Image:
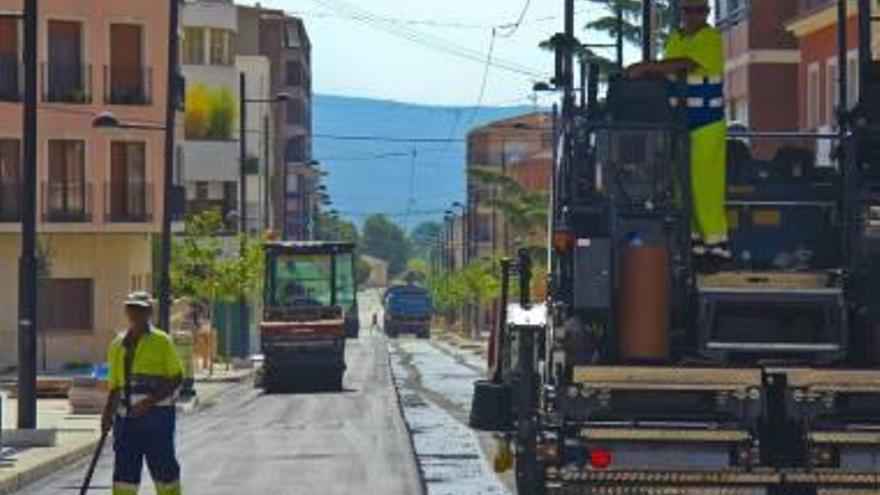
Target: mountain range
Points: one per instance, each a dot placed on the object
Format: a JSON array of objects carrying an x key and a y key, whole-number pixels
[{"x": 400, "y": 159}]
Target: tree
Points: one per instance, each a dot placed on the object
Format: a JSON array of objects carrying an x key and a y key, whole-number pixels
[
  {"x": 631, "y": 27},
  {"x": 334, "y": 228},
  {"x": 425, "y": 239},
  {"x": 202, "y": 273},
  {"x": 632, "y": 20},
  {"x": 526, "y": 212},
  {"x": 386, "y": 240}
]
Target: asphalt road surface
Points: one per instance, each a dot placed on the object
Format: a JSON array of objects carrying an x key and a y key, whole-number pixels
[{"x": 353, "y": 442}]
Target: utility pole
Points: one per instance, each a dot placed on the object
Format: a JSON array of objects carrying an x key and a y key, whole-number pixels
[
  {"x": 27, "y": 268},
  {"x": 243, "y": 326},
  {"x": 267, "y": 170},
  {"x": 647, "y": 30},
  {"x": 171, "y": 105}
]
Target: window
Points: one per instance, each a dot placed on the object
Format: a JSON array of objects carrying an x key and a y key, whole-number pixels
[
  {"x": 296, "y": 149},
  {"x": 66, "y": 195},
  {"x": 128, "y": 182},
  {"x": 127, "y": 75},
  {"x": 222, "y": 50},
  {"x": 293, "y": 73},
  {"x": 201, "y": 191},
  {"x": 832, "y": 100},
  {"x": 813, "y": 93},
  {"x": 295, "y": 114},
  {"x": 852, "y": 79},
  {"x": 9, "y": 59},
  {"x": 291, "y": 35},
  {"x": 193, "y": 46},
  {"x": 66, "y": 304},
  {"x": 68, "y": 79},
  {"x": 10, "y": 180}
]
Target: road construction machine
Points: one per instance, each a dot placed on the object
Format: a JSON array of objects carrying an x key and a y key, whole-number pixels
[
  {"x": 644, "y": 376},
  {"x": 309, "y": 290}
]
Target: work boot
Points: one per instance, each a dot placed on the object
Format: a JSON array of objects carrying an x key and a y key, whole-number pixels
[
  {"x": 699, "y": 254},
  {"x": 718, "y": 257}
]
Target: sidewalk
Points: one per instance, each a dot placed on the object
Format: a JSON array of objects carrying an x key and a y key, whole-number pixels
[
  {"x": 77, "y": 435},
  {"x": 478, "y": 347}
]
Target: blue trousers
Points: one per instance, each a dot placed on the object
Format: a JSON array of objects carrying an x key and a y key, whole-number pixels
[{"x": 150, "y": 437}]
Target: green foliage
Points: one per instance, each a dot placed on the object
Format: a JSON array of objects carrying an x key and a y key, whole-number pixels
[
  {"x": 631, "y": 28},
  {"x": 425, "y": 239},
  {"x": 203, "y": 273},
  {"x": 210, "y": 112},
  {"x": 632, "y": 20},
  {"x": 477, "y": 284},
  {"x": 524, "y": 211},
  {"x": 221, "y": 117},
  {"x": 338, "y": 229},
  {"x": 386, "y": 240}
]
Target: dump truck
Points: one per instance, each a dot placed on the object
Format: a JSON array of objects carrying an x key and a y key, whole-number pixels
[
  {"x": 309, "y": 291},
  {"x": 408, "y": 309},
  {"x": 644, "y": 376}
]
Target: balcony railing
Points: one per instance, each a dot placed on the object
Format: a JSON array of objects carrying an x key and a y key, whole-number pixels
[
  {"x": 67, "y": 202},
  {"x": 66, "y": 83},
  {"x": 134, "y": 204},
  {"x": 11, "y": 74},
  {"x": 10, "y": 202},
  {"x": 128, "y": 85}
]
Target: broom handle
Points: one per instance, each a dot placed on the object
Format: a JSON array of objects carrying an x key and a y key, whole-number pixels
[{"x": 97, "y": 455}]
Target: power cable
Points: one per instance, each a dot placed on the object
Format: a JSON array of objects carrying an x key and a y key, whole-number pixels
[
  {"x": 515, "y": 26},
  {"x": 418, "y": 37}
]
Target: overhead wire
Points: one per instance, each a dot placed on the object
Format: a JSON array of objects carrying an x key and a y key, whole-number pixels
[
  {"x": 516, "y": 25},
  {"x": 424, "y": 39}
]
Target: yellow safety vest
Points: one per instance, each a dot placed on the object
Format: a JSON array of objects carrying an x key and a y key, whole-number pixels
[
  {"x": 155, "y": 360},
  {"x": 704, "y": 88}
]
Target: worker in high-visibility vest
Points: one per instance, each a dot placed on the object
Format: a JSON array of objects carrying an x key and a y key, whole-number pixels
[
  {"x": 697, "y": 49},
  {"x": 145, "y": 373}
]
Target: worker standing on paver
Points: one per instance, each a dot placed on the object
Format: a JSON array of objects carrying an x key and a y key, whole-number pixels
[
  {"x": 145, "y": 373},
  {"x": 697, "y": 49}
]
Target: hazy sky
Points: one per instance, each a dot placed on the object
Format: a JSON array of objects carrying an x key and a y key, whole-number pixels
[{"x": 366, "y": 47}]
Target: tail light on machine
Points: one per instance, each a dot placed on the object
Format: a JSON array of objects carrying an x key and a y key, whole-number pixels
[{"x": 600, "y": 458}]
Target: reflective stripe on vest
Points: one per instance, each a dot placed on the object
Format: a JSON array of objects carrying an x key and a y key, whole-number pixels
[{"x": 704, "y": 98}]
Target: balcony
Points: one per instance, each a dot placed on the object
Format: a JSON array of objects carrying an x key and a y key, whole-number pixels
[
  {"x": 133, "y": 204},
  {"x": 128, "y": 85},
  {"x": 66, "y": 83},
  {"x": 67, "y": 202},
  {"x": 10, "y": 203},
  {"x": 11, "y": 73}
]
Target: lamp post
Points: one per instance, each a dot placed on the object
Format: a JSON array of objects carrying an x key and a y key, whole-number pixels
[{"x": 27, "y": 268}]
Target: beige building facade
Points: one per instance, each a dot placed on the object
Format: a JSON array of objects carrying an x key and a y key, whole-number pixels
[{"x": 99, "y": 199}]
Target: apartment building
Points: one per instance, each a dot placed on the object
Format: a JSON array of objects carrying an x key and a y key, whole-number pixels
[
  {"x": 520, "y": 147},
  {"x": 814, "y": 24},
  {"x": 260, "y": 121},
  {"x": 758, "y": 49},
  {"x": 210, "y": 152},
  {"x": 284, "y": 40},
  {"x": 99, "y": 197}
]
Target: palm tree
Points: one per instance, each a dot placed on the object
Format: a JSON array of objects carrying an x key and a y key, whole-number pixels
[
  {"x": 630, "y": 27},
  {"x": 524, "y": 211}
]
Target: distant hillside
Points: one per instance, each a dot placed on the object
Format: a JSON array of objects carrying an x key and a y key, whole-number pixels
[{"x": 369, "y": 176}]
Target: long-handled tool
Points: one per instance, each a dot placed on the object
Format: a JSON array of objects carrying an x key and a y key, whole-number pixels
[{"x": 97, "y": 455}]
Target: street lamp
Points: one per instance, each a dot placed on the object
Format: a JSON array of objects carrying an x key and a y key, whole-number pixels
[
  {"x": 107, "y": 121},
  {"x": 243, "y": 101}
]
